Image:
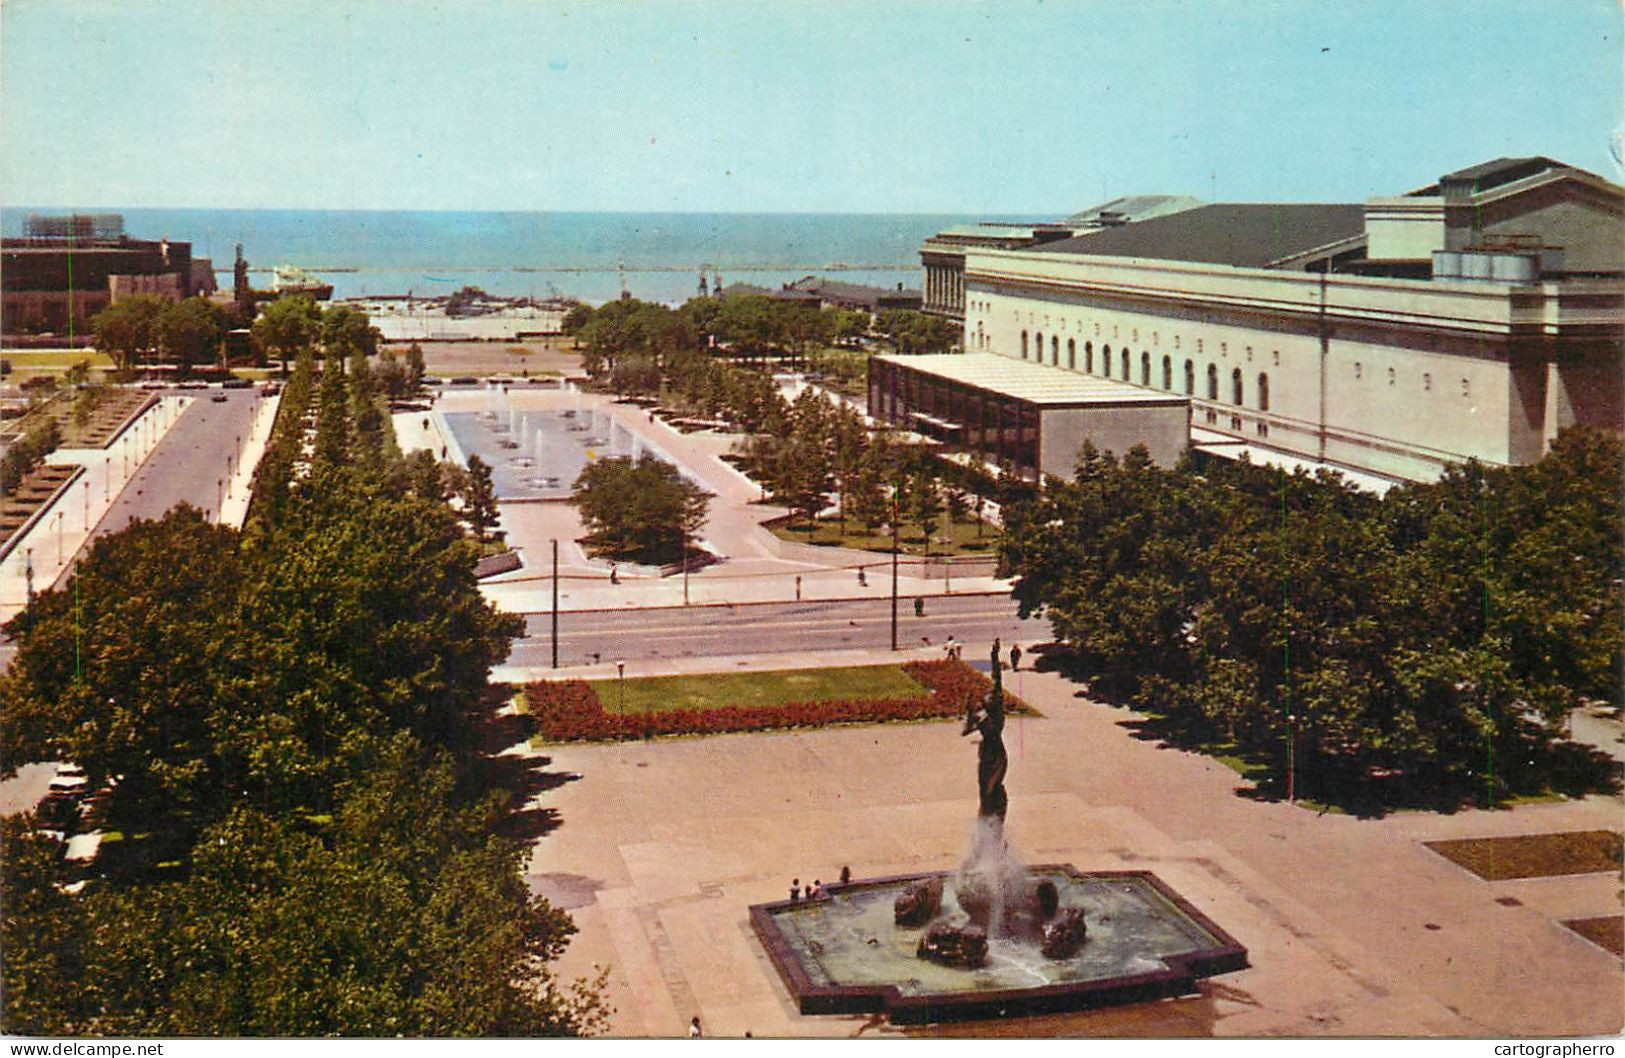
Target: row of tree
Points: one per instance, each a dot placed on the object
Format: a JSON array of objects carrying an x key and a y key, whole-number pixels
[
  {"x": 27, "y": 452},
  {"x": 1424, "y": 647},
  {"x": 302, "y": 829}
]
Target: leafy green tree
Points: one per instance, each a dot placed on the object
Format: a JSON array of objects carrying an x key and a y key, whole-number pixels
[
  {"x": 394, "y": 377},
  {"x": 121, "y": 670},
  {"x": 346, "y": 330},
  {"x": 643, "y": 510},
  {"x": 480, "y": 498},
  {"x": 42, "y": 929},
  {"x": 190, "y": 332},
  {"x": 127, "y": 329},
  {"x": 288, "y": 326},
  {"x": 414, "y": 364}
]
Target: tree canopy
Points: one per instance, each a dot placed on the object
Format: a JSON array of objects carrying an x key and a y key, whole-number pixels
[
  {"x": 1421, "y": 648},
  {"x": 303, "y": 834},
  {"x": 643, "y": 510}
]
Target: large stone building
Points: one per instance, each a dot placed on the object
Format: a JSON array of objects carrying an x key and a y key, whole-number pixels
[
  {"x": 67, "y": 269},
  {"x": 943, "y": 255},
  {"x": 1472, "y": 318}
]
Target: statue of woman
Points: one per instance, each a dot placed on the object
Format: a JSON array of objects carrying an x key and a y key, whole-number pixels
[{"x": 991, "y": 760}]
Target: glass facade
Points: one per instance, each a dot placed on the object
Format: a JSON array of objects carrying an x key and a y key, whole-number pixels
[{"x": 963, "y": 417}]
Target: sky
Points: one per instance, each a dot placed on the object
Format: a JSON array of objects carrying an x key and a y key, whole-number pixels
[{"x": 861, "y": 106}]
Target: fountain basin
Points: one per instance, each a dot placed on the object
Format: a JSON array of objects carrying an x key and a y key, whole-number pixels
[{"x": 844, "y": 954}]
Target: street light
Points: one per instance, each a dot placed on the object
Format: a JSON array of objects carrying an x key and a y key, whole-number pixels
[
  {"x": 28, "y": 571},
  {"x": 1291, "y": 762},
  {"x": 620, "y": 683},
  {"x": 59, "y": 538}
]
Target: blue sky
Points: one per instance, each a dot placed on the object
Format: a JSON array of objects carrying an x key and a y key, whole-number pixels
[{"x": 834, "y": 106}]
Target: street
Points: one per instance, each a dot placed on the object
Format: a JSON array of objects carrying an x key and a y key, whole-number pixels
[{"x": 769, "y": 628}]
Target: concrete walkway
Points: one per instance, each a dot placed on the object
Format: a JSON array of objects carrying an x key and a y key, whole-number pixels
[{"x": 1354, "y": 927}]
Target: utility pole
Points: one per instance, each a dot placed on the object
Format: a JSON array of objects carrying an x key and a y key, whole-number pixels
[
  {"x": 894, "y": 574},
  {"x": 555, "y": 604}
]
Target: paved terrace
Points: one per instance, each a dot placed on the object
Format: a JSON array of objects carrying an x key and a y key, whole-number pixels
[
  {"x": 759, "y": 567},
  {"x": 1354, "y": 928}
]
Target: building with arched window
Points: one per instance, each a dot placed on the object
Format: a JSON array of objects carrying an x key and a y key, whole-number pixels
[{"x": 1506, "y": 278}]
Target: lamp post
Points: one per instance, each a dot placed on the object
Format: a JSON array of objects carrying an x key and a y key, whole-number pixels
[
  {"x": 620, "y": 685},
  {"x": 1291, "y": 761},
  {"x": 59, "y": 538},
  {"x": 28, "y": 571},
  {"x": 107, "y": 478},
  {"x": 894, "y": 575},
  {"x": 219, "y": 485}
]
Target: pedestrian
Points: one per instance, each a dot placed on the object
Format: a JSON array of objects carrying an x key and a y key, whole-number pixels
[
  {"x": 614, "y": 574},
  {"x": 694, "y": 1032},
  {"x": 863, "y": 581},
  {"x": 951, "y": 648},
  {"x": 795, "y": 890},
  {"x": 1015, "y": 657},
  {"x": 919, "y": 606},
  {"x": 817, "y": 890},
  {"x": 846, "y": 875},
  {"x": 425, "y": 424}
]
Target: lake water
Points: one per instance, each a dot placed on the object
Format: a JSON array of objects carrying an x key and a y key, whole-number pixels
[{"x": 367, "y": 252}]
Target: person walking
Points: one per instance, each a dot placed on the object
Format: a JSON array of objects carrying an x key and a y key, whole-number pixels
[
  {"x": 1015, "y": 657},
  {"x": 694, "y": 1031}
]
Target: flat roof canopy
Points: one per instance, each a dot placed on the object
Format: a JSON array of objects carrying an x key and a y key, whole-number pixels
[{"x": 1024, "y": 380}]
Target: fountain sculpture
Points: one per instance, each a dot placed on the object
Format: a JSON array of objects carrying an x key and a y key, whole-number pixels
[{"x": 994, "y": 938}]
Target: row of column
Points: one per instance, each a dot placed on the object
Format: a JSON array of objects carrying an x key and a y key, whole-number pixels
[{"x": 944, "y": 289}]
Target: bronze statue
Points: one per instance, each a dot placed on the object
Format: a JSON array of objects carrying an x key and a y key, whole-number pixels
[{"x": 991, "y": 760}]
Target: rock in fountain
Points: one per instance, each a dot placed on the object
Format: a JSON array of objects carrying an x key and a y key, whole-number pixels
[
  {"x": 919, "y": 903},
  {"x": 964, "y": 946},
  {"x": 1064, "y": 935}
]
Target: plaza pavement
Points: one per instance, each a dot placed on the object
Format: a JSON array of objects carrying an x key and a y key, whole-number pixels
[
  {"x": 756, "y": 568},
  {"x": 1354, "y": 928}
]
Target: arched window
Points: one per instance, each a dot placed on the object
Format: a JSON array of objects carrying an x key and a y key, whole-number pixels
[
  {"x": 1263, "y": 391},
  {"x": 1106, "y": 361},
  {"x": 1235, "y": 386},
  {"x": 1167, "y": 373},
  {"x": 1055, "y": 350},
  {"x": 1145, "y": 369},
  {"x": 1213, "y": 382},
  {"x": 1125, "y": 366},
  {"x": 1089, "y": 357},
  {"x": 1071, "y": 354},
  {"x": 1024, "y": 345},
  {"x": 1038, "y": 347},
  {"x": 1190, "y": 379}
]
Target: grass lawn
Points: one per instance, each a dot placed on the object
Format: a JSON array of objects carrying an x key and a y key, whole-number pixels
[
  {"x": 1534, "y": 855},
  {"x": 962, "y": 538},
  {"x": 61, "y": 358},
  {"x": 710, "y": 691}
]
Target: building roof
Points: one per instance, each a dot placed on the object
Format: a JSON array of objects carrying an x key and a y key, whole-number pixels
[
  {"x": 1130, "y": 208},
  {"x": 1034, "y": 383},
  {"x": 853, "y": 292},
  {"x": 1246, "y": 234}
]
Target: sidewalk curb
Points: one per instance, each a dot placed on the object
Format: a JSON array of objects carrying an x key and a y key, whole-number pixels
[{"x": 763, "y": 602}]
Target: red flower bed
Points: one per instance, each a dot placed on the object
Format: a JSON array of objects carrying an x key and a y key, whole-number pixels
[{"x": 569, "y": 710}]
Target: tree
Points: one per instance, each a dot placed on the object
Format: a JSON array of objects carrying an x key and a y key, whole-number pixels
[
  {"x": 287, "y": 326},
  {"x": 575, "y": 318},
  {"x": 347, "y": 330},
  {"x": 393, "y": 376},
  {"x": 120, "y": 670},
  {"x": 479, "y": 498},
  {"x": 190, "y": 332},
  {"x": 414, "y": 364},
  {"x": 127, "y": 329},
  {"x": 644, "y": 510}
]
